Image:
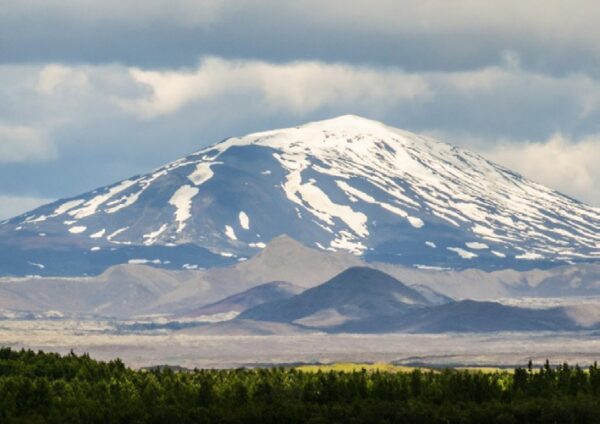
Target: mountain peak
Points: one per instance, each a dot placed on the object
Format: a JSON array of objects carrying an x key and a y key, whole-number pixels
[
  {"x": 283, "y": 242},
  {"x": 345, "y": 132},
  {"x": 346, "y": 122}
]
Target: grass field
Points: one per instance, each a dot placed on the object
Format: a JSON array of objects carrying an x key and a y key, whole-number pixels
[
  {"x": 385, "y": 367},
  {"x": 351, "y": 367}
]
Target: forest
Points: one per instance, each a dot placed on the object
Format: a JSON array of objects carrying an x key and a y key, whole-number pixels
[{"x": 38, "y": 387}]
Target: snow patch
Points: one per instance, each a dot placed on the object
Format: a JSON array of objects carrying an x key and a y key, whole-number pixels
[
  {"x": 202, "y": 173},
  {"x": 530, "y": 256},
  {"x": 67, "y": 206},
  {"x": 144, "y": 261},
  {"x": 40, "y": 218},
  {"x": 229, "y": 232},
  {"x": 476, "y": 245},
  {"x": 313, "y": 199},
  {"x": 346, "y": 241},
  {"x": 153, "y": 236},
  {"x": 182, "y": 200},
  {"x": 430, "y": 267},
  {"x": 77, "y": 229},
  {"x": 244, "y": 220},
  {"x": 259, "y": 245},
  {"x": 415, "y": 222},
  {"x": 465, "y": 254},
  {"x": 130, "y": 199},
  {"x": 116, "y": 233},
  {"x": 355, "y": 193},
  {"x": 98, "y": 234},
  {"x": 90, "y": 207},
  {"x": 430, "y": 244}
]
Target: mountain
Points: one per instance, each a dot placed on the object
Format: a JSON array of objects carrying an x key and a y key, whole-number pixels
[
  {"x": 474, "y": 316},
  {"x": 346, "y": 185},
  {"x": 123, "y": 290},
  {"x": 567, "y": 281},
  {"x": 137, "y": 289},
  {"x": 239, "y": 302},
  {"x": 365, "y": 300},
  {"x": 282, "y": 259},
  {"x": 285, "y": 259},
  {"x": 356, "y": 294}
]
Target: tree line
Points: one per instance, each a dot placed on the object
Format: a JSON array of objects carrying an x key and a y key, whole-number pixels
[{"x": 37, "y": 387}]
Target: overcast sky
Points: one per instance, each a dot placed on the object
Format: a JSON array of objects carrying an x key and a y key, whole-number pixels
[{"x": 95, "y": 91}]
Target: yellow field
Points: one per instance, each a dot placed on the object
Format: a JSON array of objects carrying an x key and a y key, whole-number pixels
[
  {"x": 385, "y": 367},
  {"x": 486, "y": 370},
  {"x": 351, "y": 367}
]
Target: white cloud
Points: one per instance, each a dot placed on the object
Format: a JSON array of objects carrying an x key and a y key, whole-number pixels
[
  {"x": 24, "y": 144},
  {"x": 299, "y": 87},
  {"x": 54, "y": 76},
  {"x": 569, "y": 166},
  {"x": 305, "y": 86},
  {"x": 11, "y": 206}
]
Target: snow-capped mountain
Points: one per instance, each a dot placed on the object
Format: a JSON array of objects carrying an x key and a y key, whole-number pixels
[{"x": 344, "y": 184}]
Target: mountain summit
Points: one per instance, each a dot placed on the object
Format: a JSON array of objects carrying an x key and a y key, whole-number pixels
[{"x": 346, "y": 184}]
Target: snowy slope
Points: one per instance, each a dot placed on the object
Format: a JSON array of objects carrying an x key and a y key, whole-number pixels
[{"x": 345, "y": 184}]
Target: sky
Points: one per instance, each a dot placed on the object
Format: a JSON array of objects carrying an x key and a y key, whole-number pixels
[{"x": 93, "y": 92}]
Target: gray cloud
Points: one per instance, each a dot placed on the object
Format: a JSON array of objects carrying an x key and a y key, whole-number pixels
[{"x": 414, "y": 34}]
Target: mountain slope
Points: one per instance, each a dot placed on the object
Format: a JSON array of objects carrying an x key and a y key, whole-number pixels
[
  {"x": 239, "y": 302},
  {"x": 346, "y": 184},
  {"x": 474, "y": 316},
  {"x": 285, "y": 259},
  {"x": 122, "y": 291},
  {"x": 356, "y": 294}
]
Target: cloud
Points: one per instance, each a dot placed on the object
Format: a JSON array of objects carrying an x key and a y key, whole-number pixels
[
  {"x": 182, "y": 12},
  {"x": 24, "y": 144},
  {"x": 53, "y": 77},
  {"x": 300, "y": 87},
  {"x": 551, "y": 36},
  {"x": 570, "y": 166},
  {"x": 11, "y": 206},
  {"x": 91, "y": 114},
  {"x": 504, "y": 101}
]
